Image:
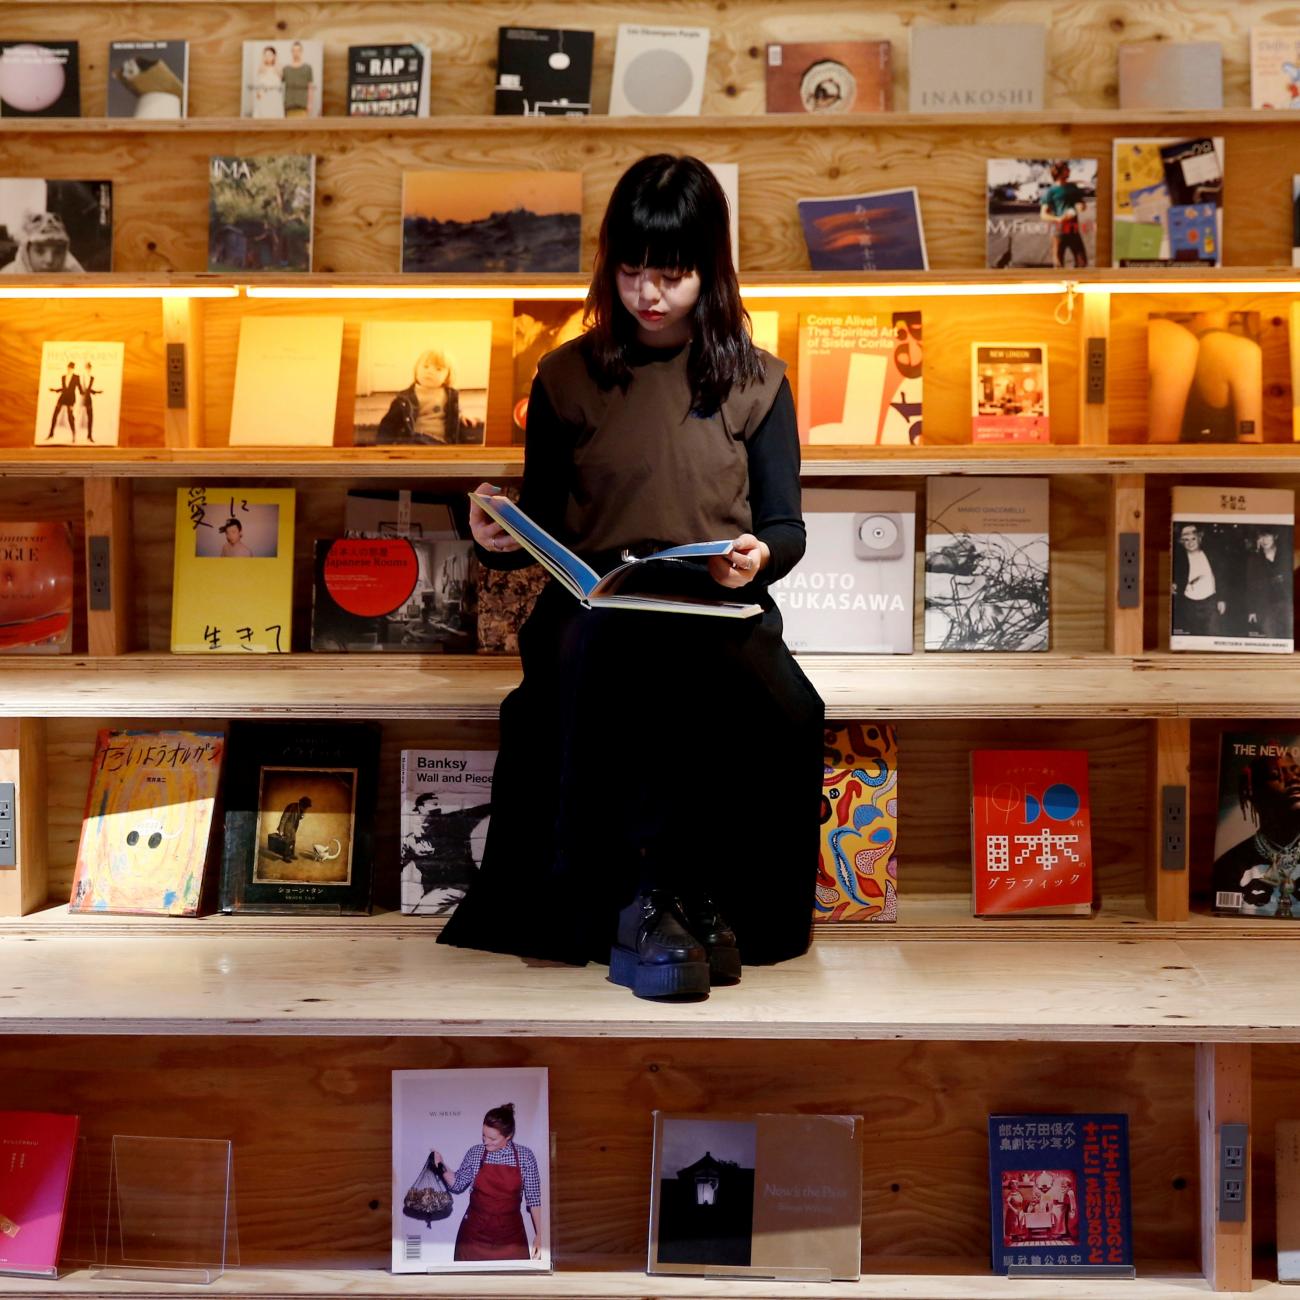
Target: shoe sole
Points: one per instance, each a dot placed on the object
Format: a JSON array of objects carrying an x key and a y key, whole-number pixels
[
  {"x": 724, "y": 966},
  {"x": 661, "y": 980}
]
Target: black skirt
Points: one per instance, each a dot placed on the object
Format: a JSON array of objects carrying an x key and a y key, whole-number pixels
[{"x": 642, "y": 749}]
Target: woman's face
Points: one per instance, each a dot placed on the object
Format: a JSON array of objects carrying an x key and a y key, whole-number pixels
[
  {"x": 268, "y": 58},
  {"x": 429, "y": 373},
  {"x": 492, "y": 1140},
  {"x": 659, "y": 300}
]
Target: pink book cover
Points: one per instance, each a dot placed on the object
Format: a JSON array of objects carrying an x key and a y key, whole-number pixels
[{"x": 36, "y": 1152}]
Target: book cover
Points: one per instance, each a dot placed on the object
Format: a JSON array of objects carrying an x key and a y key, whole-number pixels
[
  {"x": 857, "y": 863},
  {"x": 446, "y": 803},
  {"x": 36, "y": 567},
  {"x": 491, "y": 221},
  {"x": 539, "y": 327},
  {"x": 1009, "y": 399},
  {"x": 1295, "y": 223},
  {"x": 79, "y": 400},
  {"x": 1031, "y": 832},
  {"x": 852, "y": 593},
  {"x": 756, "y": 1196},
  {"x": 487, "y": 1134},
  {"x": 55, "y": 226},
  {"x": 829, "y": 77},
  {"x": 148, "y": 80},
  {"x": 39, "y": 79},
  {"x": 1205, "y": 373},
  {"x": 977, "y": 68},
  {"x": 260, "y": 212},
  {"x": 1070, "y": 1205},
  {"x": 1257, "y": 831},
  {"x": 405, "y": 595},
  {"x": 281, "y": 78},
  {"x": 658, "y": 71},
  {"x": 1294, "y": 354},
  {"x": 300, "y": 817},
  {"x": 37, "y": 1151},
  {"x": 399, "y": 512},
  {"x": 388, "y": 80},
  {"x": 1041, "y": 212},
  {"x": 880, "y": 231},
  {"x": 986, "y": 564},
  {"x": 1231, "y": 556},
  {"x": 422, "y": 383},
  {"x": 765, "y": 330},
  {"x": 146, "y": 833},
  {"x": 727, "y": 174},
  {"x": 543, "y": 72},
  {"x": 860, "y": 378},
  {"x": 286, "y": 381},
  {"x": 1168, "y": 202},
  {"x": 232, "y": 576},
  {"x": 1171, "y": 75},
  {"x": 1275, "y": 67},
  {"x": 1286, "y": 1164}
]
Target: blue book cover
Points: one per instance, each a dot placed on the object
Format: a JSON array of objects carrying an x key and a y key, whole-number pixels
[
  {"x": 1059, "y": 1191},
  {"x": 865, "y": 232}
]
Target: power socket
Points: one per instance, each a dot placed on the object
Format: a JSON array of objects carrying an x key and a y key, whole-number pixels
[
  {"x": 1095, "y": 378},
  {"x": 1130, "y": 571},
  {"x": 99, "y": 582},
  {"x": 176, "y": 376},
  {"x": 1233, "y": 1139},
  {"x": 8, "y": 825},
  {"x": 1173, "y": 828}
]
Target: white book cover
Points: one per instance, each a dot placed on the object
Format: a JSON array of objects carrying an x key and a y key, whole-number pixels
[
  {"x": 80, "y": 398},
  {"x": 853, "y": 591},
  {"x": 765, "y": 330},
  {"x": 658, "y": 71},
  {"x": 977, "y": 68},
  {"x": 282, "y": 78},
  {"x": 286, "y": 381},
  {"x": 728, "y": 176},
  {"x": 446, "y": 803},
  {"x": 1171, "y": 75},
  {"x": 148, "y": 80},
  {"x": 471, "y": 1171},
  {"x": 1275, "y": 67}
]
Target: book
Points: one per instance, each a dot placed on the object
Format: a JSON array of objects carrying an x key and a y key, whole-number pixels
[
  {"x": 300, "y": 815},
  {"x": 51, "y": 226},
  {"x": 1275, "y": 67},
  {"x": 1171, "y": 75},
  {"x": 260, "y": 212},
  {"x": 756, "y": 1195},
  {"x": 852, "y": 593},
  {"x": 1231, "y": 555},
  {"x": 146, "y": 832},
  {"x": 1257, "y": 830},
  {"x": 422, "y": 383},
  {"x": 1031, "y": 832},
  {"x": 1041, "y": 211},
  {"x": 286, "y": 381},
  {"x": 1294, "y": 346},
  {"x": 1168, "y": 201},
  {"x": 728, "y": 176},
  {"x": 491, "y": 221},
  {"x": 880, "y": 231},
  {"x": 37, "y": 1151},
  {"x": 399, "y": 512},
  {"x": 539, "y": 327},
  {"x": 148, "y": 80},
  {"x": 857, "y": 863},
  {"x": 408, "y": 595},
  {"x": 1059, "y": 1191},
  {"x": 446, "y": 804},
  {"x": 232, "y": 575},
  {"x": 441, "y": 1119},
  {"x": 1295, "y": 220},
  {"x": 986, "y": 564},
  {"x": 861, "y": 378},
  {"x": 543, "y": 72},
  {"x": 36, "y": 585},
  {"x": 388, "y": 80},
  {"x": 977, "y": 68},
  {"x": 79, "y": 398},
  {"x": 1205, "y": 374},
  {"x": 671, "y": 581},
  {"x": 765, "y": 330},
  {"x": 39, "y": 79},
  {"x": 281, "y": 78},
  {"x": 1286, "y": 1166},
  {"x": 658, "y": 71},
  {"x": 829, "y": 77},
  {"x": 1009, "y": 399}
]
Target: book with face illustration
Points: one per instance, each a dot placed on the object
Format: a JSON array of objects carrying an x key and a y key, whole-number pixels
[{"x": 50, "y": 227}]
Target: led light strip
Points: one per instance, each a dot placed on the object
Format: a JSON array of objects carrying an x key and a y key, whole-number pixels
[{"x": 115, "y": 291}]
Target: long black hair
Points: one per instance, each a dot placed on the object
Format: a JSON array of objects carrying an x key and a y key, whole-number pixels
[{"x": 670, "y": 213}]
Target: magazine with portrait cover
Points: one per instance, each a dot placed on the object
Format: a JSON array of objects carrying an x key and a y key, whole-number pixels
[
  {"x": 1041, "y": 212},
  {"x": 658, "y": 71},
  {"x": 829, "y": 77},
  {"x": 260, "y": 212},
  {"x": 79, "y": 398},
  {"x": 880, "y": 231},
  {"x": 1205, "y": 374},
  {"x": 282, "y": 78},
  {"x": 148, "y": 80},
  {"x": 543, "y": 72},
  {"x": 39, "y": 79},
  {"x": 1167, "y": 206},
  {"x": 388, "y": 80},
  {"x": 471, "y": 1171},
  {"x": 36, "y": 577},
  {"x": 1010, "y": 401},
  {"x": 1231, "y": 560},
  {"x": 48, "y": 226}
]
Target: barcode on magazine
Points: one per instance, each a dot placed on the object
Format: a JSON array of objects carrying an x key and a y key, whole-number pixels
[
  {"x": 413, "y": 1245},
  {"x": 1227, "y": 899}
]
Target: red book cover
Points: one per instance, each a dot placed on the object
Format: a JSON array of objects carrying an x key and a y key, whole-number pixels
[
  {"x": 36, "y": 1152},
  {"x": 1031, "y": 832}
]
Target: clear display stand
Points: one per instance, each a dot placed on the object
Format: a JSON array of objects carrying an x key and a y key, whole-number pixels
[
  {"x": 171, "y": 1210},
  {"x": 1041, "y": 1271}
]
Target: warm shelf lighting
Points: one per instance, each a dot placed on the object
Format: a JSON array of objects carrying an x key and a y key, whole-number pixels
[
  {"x": 1188, "y": 286},
  {"x": 914, "y": 289},
  {"x": 426, "y": 291},
  {"x": 116, "y": 291}
]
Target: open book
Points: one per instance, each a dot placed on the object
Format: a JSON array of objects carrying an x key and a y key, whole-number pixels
[{"x": 665, "y": 582}]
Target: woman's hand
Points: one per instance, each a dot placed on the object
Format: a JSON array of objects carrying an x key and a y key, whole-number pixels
[
  {"x": 537, "y": 1247},
  {"x": 742, "y": 564},
  {"x": 486, "y": 531}
]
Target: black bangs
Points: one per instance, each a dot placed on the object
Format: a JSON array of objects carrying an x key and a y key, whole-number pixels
[{"x": 655, "y": 236}]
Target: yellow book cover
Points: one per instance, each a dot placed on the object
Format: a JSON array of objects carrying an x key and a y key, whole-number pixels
[
  {"x": 232, "y": 580},
  {"x": 286, "y": 381}
]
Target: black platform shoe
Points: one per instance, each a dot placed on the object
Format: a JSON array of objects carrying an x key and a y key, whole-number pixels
[
  {"x": 702, "y": 919},
  {"x": 653, "y": 953}
]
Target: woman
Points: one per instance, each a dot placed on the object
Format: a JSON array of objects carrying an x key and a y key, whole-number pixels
[
  {"x": 497, "y": 1173},
  {"x": 656, "y": 773}
]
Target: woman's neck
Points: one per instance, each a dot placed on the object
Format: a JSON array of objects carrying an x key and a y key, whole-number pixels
[{"x": 665, "y": 340}]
